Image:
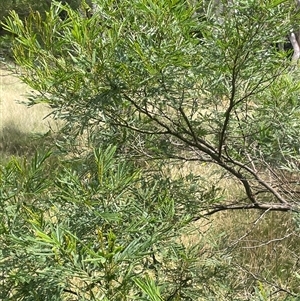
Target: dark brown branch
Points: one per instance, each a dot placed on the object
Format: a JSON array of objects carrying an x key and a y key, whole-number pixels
[
  {"x": 260, "y": 181},
  {"x": 230, "y": 108},
  {"x": 269, "y": 207},
  {"x": 199, "y": 144},
  {"x": 188, "y": 124},
  {"x": 70, "y": 292},
  {"x": 255, "y": 90}
]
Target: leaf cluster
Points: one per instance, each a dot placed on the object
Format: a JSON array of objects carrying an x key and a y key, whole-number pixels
[{"x": 90, "y": 231}]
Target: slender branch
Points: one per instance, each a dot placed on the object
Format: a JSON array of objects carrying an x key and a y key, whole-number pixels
[
  {"x": 250, "y": 230},
  {"x": 188, "y": 124},
  {"x": 202, "y": 147},
  {"x": 264, "y": 79},
  {"x": 270, "y": 241},
  {"x": 70, "y": 292},
  {"x": 260, "y": 181},
  {"x": 270, "y": 207},
  {"x": 138, "y": 130},
  {"x": 231, "y": 106},
  {"x": 261, "y": 279}
]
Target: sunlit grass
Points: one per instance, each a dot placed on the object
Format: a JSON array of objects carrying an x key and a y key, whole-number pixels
[
  {"x": 19, "y": 124},
  {"x": 261, "y": 248},
  {"x": 14, "y": 113}
]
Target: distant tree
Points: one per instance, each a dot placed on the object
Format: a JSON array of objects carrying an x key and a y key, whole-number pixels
[
  {"x": 24, "y": 7},
  {"x": 294, "y": 35}
]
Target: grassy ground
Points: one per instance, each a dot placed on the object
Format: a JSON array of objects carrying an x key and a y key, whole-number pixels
[
  {"x": 19, "y": 125},
  {"x": 261, "y": 248}
]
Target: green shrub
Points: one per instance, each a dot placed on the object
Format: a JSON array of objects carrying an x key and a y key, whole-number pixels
[{"x": 94, "y": 229}]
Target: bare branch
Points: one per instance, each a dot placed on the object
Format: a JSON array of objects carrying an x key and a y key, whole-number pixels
[
  {"x": 270, "y": 241},
  {"x": 264, "y": 280},
  {"x": 269, "y": 207},
  {"x": 230, "y": 107},
  {"x": 250, "y": 230}
]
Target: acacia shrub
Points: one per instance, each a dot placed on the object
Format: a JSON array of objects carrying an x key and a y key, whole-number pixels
[{"x": 96, "y": 228}]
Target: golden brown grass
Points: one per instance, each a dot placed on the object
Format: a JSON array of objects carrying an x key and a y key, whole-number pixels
[
  {"x": 16, "y": 114},
  {"x": 19, "y": 123},
  {"x": 264, "y": 246},
  {"x": 261, "y": 248}
]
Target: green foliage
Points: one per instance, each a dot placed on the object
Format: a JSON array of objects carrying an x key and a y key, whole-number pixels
[
  {"x": 278, "y": 137},
  {"x": 193, "y": 88},
  {"x": 148, "y": 286},
  {"x": 162, "y": 81},
  {"x": 145, "y": 68},
  {"x": 24, "y": 7},
  {"x": 92, "y": 231}
]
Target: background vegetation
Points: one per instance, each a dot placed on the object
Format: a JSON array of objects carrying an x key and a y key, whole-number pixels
[{"x": 173, "y": 174}]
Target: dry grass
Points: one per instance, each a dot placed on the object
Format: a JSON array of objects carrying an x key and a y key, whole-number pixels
[
  {"x": 262, "y": 247},
  {"x": 259, "y": 252},
  {"x": 19, "y": 123},
  {"x": 14, "y": 113}
]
